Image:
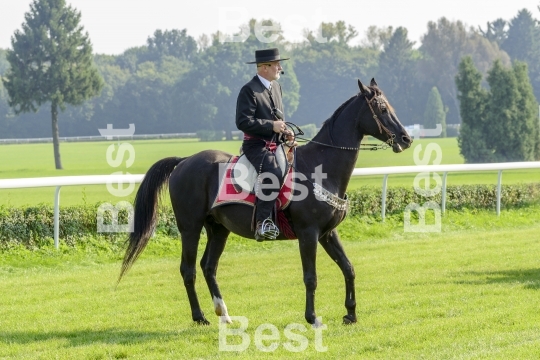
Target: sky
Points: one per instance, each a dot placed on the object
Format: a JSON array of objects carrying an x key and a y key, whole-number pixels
[{"x": 116, "y": 25}]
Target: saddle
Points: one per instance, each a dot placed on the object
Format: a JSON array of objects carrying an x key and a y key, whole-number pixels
[
  {"x": 232, "y": 191},
  {"x": 244, "y": 174},
  {"x": 240, "y": 190}
]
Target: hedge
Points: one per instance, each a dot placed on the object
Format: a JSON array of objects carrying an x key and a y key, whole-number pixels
[
  {"x": 367, "y": 200},
  {"x": 33, "y": 226}
]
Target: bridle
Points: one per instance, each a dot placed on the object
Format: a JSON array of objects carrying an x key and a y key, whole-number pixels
[
  {"x": 372, "y": 147},
  {"x": 391, "y": 135}
]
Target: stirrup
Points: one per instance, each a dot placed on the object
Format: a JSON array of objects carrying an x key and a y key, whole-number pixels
[{"x": 266, "y": 230}]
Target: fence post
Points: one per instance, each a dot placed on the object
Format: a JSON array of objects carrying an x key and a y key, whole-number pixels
[
  {"x": 499, "y": 182},
  {"x": 443, "y": 195},
  {"x": 383, "y": 197},
  {"x": 56, "y": 216}
]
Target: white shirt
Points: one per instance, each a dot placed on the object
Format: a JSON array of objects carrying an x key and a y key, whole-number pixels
[{"x": 267, "y": 84}]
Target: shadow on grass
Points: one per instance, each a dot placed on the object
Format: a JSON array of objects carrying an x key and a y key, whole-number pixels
[
  {"x": 529, "y": 278},
  {"x": 105, "y": 336}
]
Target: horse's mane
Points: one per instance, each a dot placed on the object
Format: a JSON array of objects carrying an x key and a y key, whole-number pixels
[
  {"x": 374, "y": 90},
  {"x": 328, "y": 123},
  {"x": 338, "y": 111}
]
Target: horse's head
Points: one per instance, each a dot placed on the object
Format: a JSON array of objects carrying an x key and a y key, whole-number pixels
[{"x": 382, "y": 122}]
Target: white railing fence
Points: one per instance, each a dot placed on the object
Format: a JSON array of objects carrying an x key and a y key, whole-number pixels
[
  {"x": 108, "y": 138},
  {"x": 444, "y": 169},
  {"x": 60, "y": 181}
]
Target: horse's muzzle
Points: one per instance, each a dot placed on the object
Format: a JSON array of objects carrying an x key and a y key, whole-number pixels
[{"x": 397, "y": 148}]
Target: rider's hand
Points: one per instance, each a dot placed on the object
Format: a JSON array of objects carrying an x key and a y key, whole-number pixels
[
  {"x": 289, "y": 138},
  {"x": 288, "y": 134},
  {"x": 279, "y": 126}
]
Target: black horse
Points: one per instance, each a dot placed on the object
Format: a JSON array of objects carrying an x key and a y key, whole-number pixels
[{"x": 194, "y": 181}]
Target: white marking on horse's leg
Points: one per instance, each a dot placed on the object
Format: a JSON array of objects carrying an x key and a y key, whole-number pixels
[
  {"x": 318, "y": 323},
  {"x": 221, "y": 310}
]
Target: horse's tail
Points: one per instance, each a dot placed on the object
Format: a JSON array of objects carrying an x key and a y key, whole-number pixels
[{"x": 146, "y": 206}]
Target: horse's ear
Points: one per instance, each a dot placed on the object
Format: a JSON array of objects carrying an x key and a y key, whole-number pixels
[
  {"x": 363, "y": 88},
  {"x": 373, "y": 82}
]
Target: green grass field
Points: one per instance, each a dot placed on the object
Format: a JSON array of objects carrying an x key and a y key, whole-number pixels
[
  {"x": 469, "y": 292},
  {"x": 36, "y": 160}
]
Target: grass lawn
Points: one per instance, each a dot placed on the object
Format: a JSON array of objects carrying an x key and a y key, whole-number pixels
[
  {"x": 471, "y": 291},
  {"x": 36, "y": 160}
]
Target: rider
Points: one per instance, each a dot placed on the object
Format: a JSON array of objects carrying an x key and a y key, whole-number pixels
[{"x": 259, "y": 114}]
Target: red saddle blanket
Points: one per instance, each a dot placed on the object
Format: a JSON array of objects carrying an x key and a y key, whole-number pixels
[{"x": 228, "y": 193}]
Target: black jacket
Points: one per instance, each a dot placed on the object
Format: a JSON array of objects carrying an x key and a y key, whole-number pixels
[{"x": 254, "y": 108}]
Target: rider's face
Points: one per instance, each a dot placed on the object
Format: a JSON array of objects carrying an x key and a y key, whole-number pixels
[{"x": 270, "y": 71}]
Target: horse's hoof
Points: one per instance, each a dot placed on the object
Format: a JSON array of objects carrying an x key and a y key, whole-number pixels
[
  {"x": 349, "y": 319},
  {"x": 202, "y": 322},
  {"x": 225, "y": 319}
]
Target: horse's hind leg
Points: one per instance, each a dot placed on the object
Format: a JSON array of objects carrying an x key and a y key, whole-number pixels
[
  {"x": 190, "y": 242},
  {"x": 333, "y": 247},
  {"x": 217, "y": 238}
]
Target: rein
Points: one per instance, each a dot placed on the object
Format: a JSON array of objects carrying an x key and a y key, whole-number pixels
[{"x": 372, "y": 147}]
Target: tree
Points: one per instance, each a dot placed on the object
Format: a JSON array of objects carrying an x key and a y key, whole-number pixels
[
  {"x": 51, "y": 61},
  {"x": 435, "y": 113},
  {"x": 174, "y": 43},
  {"x": 499, "y": 125},
  {"x": 522, "y": 38},
  {"x": 144, "y": 98},
  {"x": 4, "y": 64},
  {"x": 163, "y": 44},
  {"x": 472, "y": 139},
  {"x": 4, "y": 107},
  {"x": 377, "y": 38},
  {"x": 328, "y": 72},
  {"x": 443, "y": 47},
  {"x": 4, "y": 110},
  {"x": 495, "y": 31},
  {"x": 523, "y": 43},
  {"x": 131, "y": 57},
  {"x": 528, "y": 106},
  {"x": 397, "y": 73},
  {"x": 338, "y": 32},
  {"x": 511, "y": 113}
]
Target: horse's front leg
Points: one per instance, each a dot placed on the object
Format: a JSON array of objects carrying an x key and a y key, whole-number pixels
[
  {"x": 307, "y": 241},
  {"x": 333, "y": 247},
  {"x": 190, "y": 240}
]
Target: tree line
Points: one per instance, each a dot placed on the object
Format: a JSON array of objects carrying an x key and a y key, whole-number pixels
[{"x": 176, "y": 83}]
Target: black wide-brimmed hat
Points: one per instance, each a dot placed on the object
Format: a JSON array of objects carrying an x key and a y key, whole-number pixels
[{"x": 267, "y": 55}]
